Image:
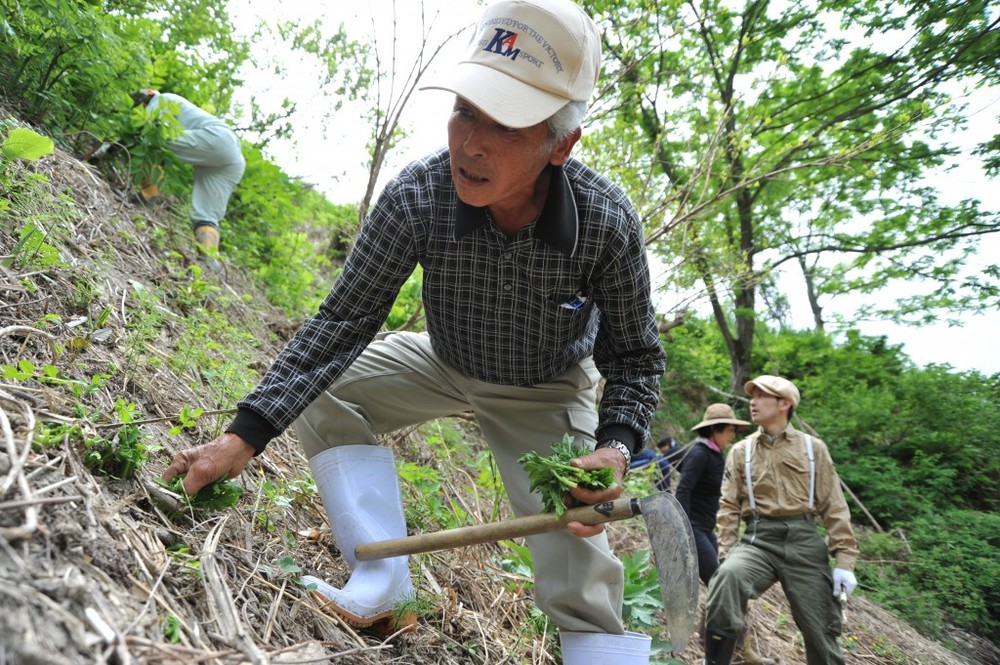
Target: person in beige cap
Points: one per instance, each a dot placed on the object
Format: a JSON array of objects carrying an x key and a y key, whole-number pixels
[
  {"x": 698, "y": 493},
  {"x": 780, "y": 482},
  {"x": 535, "y": 284}
]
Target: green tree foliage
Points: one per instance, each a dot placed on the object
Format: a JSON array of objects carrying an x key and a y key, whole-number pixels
[
  {"x": 280, "y": 228},
  {"x": 697, "y": 360},
  {"x": 754, "y": 134},
  {"x": 71, "y": 67},
  {"x": 944, "y": 572},
  {"x": 66, "y": 64}
]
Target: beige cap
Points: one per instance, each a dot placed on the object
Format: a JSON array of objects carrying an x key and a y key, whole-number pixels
[
  {"x": 527, "y": 59},
  {"x": 774, "y": 385},
  {"x": 717, "y": 414}
]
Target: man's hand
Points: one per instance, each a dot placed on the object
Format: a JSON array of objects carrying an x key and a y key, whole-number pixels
[
  {"x": 221, "y": 459},
  {"x": 599, "y": 459},
  {"x": 843, "y": 579}
]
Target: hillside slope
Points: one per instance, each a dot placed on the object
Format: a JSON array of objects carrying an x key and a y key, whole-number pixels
[{"x": 93, "y": 570}]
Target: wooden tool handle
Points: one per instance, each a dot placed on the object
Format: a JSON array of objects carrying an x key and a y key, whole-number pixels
[{"x": 609, "y": 511}]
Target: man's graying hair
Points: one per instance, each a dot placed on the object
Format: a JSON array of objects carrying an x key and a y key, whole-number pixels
[{"x": 563, "y": 122}]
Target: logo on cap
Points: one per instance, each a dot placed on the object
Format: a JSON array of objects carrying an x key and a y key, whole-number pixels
[{"x": 503, "y": 44}]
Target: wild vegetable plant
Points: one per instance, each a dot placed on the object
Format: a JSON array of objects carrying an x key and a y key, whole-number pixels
[
  {"x": 123, "y": 455},
  {"x": 119, "y": 457},
  {"x": 430, "y": 510},
  {"x": 216, "y": 496},
  {"x": 643, "y": 597},
  {"x": 280, "y": 496},
  {"x": 52, "y": 435},
  {"x": 553, "y": 476},
  {"x": 26, "y": 370},
  {"x": 188, "y": 419}
]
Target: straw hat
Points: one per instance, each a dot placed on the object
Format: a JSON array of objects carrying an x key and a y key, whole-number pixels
[{"x": 717, "y": 414}]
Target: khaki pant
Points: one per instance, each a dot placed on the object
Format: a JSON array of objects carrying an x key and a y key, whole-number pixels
[
  {"x": 398, "y": 381},
  {"x": 792, "y": 552}
]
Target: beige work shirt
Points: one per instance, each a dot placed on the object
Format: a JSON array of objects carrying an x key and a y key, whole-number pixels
[{"x": 780, "y": 474}]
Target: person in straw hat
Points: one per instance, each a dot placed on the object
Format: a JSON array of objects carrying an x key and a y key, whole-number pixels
[{"x": 701, "y": 481}]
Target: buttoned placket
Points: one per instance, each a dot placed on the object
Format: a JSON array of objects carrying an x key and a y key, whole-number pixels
[{"x": 507, "y": 262}]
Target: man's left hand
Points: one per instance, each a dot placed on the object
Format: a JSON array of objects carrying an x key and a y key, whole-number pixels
[
  {"x": 843, "y": 579},
  {"x": 599, "y": 459}
]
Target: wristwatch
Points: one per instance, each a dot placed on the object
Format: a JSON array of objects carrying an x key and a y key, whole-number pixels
[{"x": 620, "y": 447}]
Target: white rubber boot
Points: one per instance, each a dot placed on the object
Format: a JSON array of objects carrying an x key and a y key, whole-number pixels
[
  {"x": 360, "y": 491},
  {"x": 604, "y": 648}
]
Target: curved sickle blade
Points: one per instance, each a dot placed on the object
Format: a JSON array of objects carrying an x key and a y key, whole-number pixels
[{"x": 671, "y": 541}]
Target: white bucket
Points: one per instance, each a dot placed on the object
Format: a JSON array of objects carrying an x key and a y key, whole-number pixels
[{"x": 604, "y": 648}]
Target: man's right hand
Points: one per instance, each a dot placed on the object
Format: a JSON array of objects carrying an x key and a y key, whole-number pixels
[{"x": 221, "y": 459}]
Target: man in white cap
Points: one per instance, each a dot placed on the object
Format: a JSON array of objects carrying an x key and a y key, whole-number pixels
[
  {"x": 535, "y": 284},
  {"x": 780, "y": 482}
]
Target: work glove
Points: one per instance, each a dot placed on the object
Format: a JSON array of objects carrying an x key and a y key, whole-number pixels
[{"x": 843, "y": 579}]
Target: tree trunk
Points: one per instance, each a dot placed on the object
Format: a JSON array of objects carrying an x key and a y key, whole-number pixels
[{"x": 814, "y": 306}]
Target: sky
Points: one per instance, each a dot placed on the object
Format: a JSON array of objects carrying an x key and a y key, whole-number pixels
[{"x": 333, "y": 157}]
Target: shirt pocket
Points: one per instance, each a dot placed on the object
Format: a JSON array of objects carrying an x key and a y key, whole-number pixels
[
  {"x": 555, "y": 279},
  {"x": 794, "y": 484}
]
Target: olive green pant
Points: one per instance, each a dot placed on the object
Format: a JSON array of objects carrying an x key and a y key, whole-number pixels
[
  {"x": 789, "y": 551},
  {"x": 398, "y": 381}
]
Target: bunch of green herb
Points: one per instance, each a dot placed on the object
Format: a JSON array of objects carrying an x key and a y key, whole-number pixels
[
  {"x": 213, "y": 497},
  {"x": 553, "y": 477}
]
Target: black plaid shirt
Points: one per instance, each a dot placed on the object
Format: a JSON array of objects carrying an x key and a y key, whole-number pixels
[{"x": 509, "y": 311}]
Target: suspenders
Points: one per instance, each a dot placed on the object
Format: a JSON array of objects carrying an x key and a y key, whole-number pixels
[{"x": 812, "y": 473}]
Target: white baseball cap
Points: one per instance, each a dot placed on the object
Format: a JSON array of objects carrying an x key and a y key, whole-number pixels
[{"x": 526, "y": 60}]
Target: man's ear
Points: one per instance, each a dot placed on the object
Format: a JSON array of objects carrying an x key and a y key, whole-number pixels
[{"x": 564, "y": 146}]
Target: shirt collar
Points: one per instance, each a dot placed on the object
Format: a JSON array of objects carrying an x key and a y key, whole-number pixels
[
  {"x": 558, "y": 225},
  {"x": 764, "y": 437},
  {"x": 712, "y": 445}
]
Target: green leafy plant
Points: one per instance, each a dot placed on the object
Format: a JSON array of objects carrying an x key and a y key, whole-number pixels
[
  {"x": 50, "y": 435},
  {"x": 32, "y": 249},
  {"x": 172, "y": 629},
  {"x": 188, "y": 418},
  {"x": 553, "y": 477},
  {"x": 120, "y": 457},
  {"x": 183, "y": 556},
  {"x": 643, "y": 598},
  {"x": 215, "y": 496},
  {"x": 517, "y": 561},
  {"x": 285, "y": 567},
  {"x": 279, "y": 496},
  {"x": 431, "y": 510},
  {"x": 49, "y": 375},
  {"x": 23, "y": 143}
]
